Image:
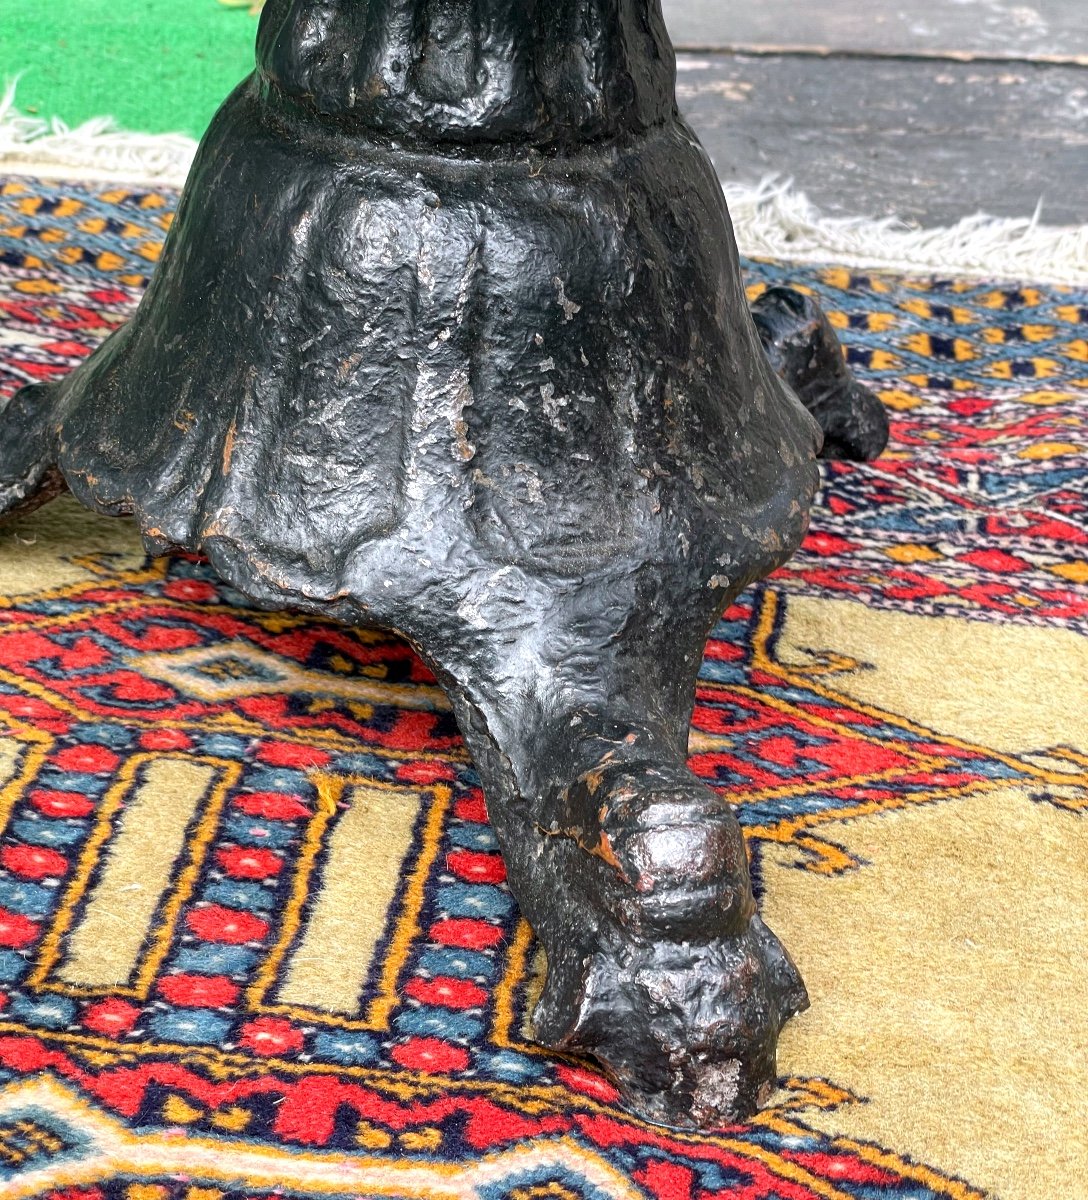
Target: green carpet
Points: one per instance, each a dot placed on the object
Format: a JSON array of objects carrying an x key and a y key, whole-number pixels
[{"x": 157, "y": 66}]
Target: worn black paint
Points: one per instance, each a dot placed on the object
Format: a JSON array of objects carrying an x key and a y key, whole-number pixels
[{"x": 449, "y": 337}]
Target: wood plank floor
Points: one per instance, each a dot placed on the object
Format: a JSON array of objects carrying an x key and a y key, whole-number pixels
[
  {"x": 931, "y": 110},
  {"x": 998, "y": 28}
]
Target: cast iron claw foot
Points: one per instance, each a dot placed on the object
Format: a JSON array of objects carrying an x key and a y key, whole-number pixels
[
  {"x": 635, "y": 877},
  {"x": 681, "y": 989},
  {"x": 449, "y": 337},
  {"x": 686, "y": 1030},
  {"x": 805, "y": 352}
]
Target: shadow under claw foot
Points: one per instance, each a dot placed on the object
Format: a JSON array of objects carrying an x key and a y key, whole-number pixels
[{"x": 805, "y": 352}]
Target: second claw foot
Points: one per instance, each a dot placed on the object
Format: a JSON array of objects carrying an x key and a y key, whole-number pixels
[{"x": 805, "y": 352}]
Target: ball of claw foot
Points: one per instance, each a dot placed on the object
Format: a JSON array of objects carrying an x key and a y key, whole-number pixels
[{"x": 688, "y": 1030}]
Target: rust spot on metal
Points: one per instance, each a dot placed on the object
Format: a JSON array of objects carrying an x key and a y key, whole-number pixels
[
  {"x": 228, "y": 447},
  {"x": 603, "y": 850}
]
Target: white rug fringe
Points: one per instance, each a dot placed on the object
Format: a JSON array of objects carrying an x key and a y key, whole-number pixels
[
  {"x": 96, "y": 149},
  {"x": 770, "y": 218},
  {"x": 773, "y": 221}
]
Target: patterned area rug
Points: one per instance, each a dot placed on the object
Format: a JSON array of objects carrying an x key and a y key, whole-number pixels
[{"x": 254, "y": 932}]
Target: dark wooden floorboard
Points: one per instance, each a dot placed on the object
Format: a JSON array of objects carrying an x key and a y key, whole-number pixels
[
  {"x": 1005, "y": 28},
  {"x": 931, "y": 141}
]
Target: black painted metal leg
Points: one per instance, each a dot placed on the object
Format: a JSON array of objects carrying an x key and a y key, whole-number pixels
[{"x": 449, "y": 337}]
